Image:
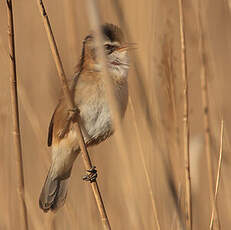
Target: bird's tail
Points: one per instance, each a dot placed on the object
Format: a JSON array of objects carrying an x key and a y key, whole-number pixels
[{"x": 54, "y": 192}]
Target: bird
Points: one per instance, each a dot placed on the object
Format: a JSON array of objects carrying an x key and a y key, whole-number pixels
[{"x": 87, "y": 88}]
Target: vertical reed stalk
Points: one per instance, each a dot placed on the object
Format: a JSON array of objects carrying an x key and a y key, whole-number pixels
[
  {"x": 138, "y": 68},
  {"x": 15, "y": 117},
  {"x": 218, "y": 177},
  {"x": 94, "y": 20},
  {"x": 141, "y": 151},
  {"x": 67, "y": 94},
  {"x": 185, "y": 119},
  {"x": 206, "y": 114}
]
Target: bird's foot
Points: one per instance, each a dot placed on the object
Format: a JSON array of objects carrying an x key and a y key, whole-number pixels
[
  {"x": 91, "y": 175},
  {"x": 75, "y": 114}
]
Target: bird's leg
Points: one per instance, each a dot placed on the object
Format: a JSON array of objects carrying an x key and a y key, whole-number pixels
[{"x": 91, "y": 175}]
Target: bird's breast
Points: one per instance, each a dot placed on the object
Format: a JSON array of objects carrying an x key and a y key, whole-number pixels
[
  {"x": 96, "y": 119},
  {"x": 96, "y": 115}
]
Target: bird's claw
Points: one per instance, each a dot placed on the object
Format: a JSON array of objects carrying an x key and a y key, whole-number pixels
[
  {"x": 74, "y": 110},
  {"x": 74, "y": 113},
  {"x": 91, "y": 175}
]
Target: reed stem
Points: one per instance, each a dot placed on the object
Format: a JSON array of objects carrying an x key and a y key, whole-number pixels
[
  {"x": 188, "y": 203},
  {"x": 218, "y": 177},
  {"x": 94, "y": 20},
  {"x": 206, "y": 114},
  {"x": 15, "y": 118},
  {"x": 141, "y": 151}
]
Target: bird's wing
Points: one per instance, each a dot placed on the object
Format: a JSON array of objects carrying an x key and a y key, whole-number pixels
[
  {"x": 51, "y": 126},
  {"x": 50, "y": 131},
  {"x": 59, "y": 124}
]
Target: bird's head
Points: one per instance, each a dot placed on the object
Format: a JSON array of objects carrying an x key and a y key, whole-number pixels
[{"x": 115, "y": 47}]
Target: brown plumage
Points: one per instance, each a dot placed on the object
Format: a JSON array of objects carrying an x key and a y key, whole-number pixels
[{"x": 88, "y": 91}]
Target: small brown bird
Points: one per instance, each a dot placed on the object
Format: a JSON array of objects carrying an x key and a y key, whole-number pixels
[{"x": 88, "y": 91}]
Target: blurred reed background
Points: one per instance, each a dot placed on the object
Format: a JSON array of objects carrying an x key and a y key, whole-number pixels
[{"x": 152, "y": 126}]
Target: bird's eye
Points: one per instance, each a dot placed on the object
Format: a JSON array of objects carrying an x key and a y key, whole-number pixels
[{"x": 109, "y": 48}]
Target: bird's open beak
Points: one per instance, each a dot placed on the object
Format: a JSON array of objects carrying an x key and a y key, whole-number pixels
[{"x": 127, "y": 46}]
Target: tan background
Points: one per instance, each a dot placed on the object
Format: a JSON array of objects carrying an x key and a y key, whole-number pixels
[{"x": 154, "y": 26}]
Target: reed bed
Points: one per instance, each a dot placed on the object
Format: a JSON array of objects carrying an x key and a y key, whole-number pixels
[{"x": 153, "y": 172}]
